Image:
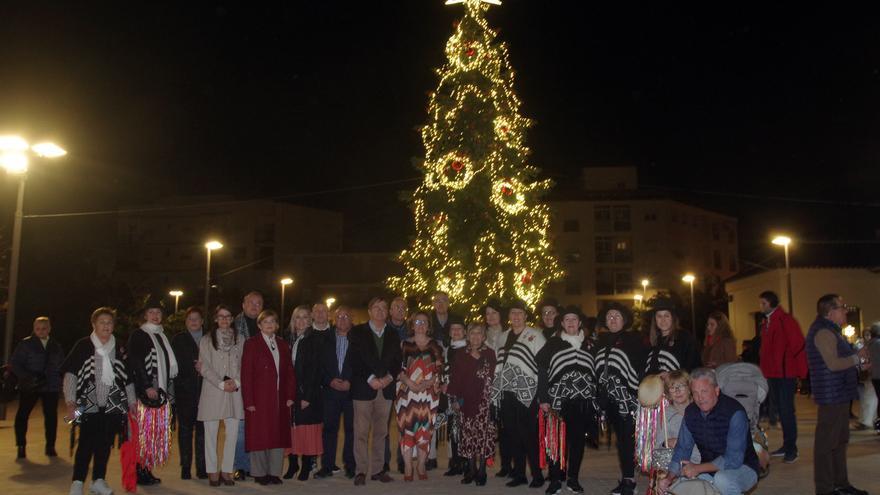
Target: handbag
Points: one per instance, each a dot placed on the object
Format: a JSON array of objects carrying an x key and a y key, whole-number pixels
[{"x": 662, "y": 456}]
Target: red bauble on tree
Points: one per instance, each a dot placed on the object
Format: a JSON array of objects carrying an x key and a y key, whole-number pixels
[
  {"x": 457, "y": 165},
  {"x": 527, "y": 278}
]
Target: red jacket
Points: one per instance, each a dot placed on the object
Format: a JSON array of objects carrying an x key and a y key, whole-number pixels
[
  {"x": 782, "y": 346},
  {"x": 269, "y": 426}
]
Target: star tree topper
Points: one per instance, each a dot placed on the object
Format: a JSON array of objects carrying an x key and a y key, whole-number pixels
[{"x": 453, "y": 2}]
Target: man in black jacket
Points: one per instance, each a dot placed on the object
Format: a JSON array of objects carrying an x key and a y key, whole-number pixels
[
  {"x": 335, "y": 365},
  {"x": 376, "y": 357},
  {"x": 36, "y": 362},
  {"x": 187, "y": 390}
]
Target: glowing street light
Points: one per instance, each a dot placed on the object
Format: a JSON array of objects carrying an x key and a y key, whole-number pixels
[
  {"x": 284, "y": 283},
  {"x": 176, "y": 294},
  {"x": 14, "y": 159},
  {"x": 639, "y": 298},
  {"x": 784, "y": 241},
  {"x": 329, "y": 301},
  {"x": 689, "y": 278},
  {"x": 645, "y": 283},
  {"x": 209, "y": 246}
]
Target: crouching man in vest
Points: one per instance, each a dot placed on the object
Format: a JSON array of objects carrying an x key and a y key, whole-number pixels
[{"x": 719, "y": 427}]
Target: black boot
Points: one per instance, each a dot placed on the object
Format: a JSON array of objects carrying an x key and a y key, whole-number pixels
[
  {"x": 21, "y": 452},
  {"x": 480, "y": 479},
  {"x": 470, "y": 473},
  {"x": 306, "y": 468},
  {"x": 292, "y": 466},
  {"x": 144, "y": 478},
  {"x": 455, "y": 467}
]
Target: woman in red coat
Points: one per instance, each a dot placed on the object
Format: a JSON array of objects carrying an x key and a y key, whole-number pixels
[{"x": 268, "y": 388}]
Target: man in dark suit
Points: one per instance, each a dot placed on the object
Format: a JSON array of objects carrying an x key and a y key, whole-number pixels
[
  {"x": 441, "y": 317},
  {"x": 187, "y": 391},
  {"x": 375, "y": 361},
  {"x": 335, "y": 365}
]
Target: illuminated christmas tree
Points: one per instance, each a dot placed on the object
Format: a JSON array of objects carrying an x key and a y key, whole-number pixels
[{"x": 481, "y": 230}]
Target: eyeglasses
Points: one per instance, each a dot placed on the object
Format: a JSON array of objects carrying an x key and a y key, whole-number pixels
[
  {"x": 613, "y": 316},
  {"x": 420, "y": 322},
  {"x": 343, "y": 317},
  {"x": 841, "y": 306},
  {"x": 549, "y": 312},
  {"x": 678, "y": 387}
]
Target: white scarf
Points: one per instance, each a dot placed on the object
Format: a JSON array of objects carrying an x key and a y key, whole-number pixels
[
  {"x": 575, "y": 340},
  {"x": 106, "y": 353},
  {"x": 154, "y": 330},
  {"x": 457, "y": 344}
]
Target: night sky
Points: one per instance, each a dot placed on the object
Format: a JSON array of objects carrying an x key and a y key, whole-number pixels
[{"x": 320, "y": 102}]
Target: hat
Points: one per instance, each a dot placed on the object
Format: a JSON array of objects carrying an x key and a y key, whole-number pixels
[
  {"x": 548, "y": 301},
  {"x": 651, "y": 391},
  {"x": 572, "y": 310},
  {"x": 152, "y": 302},
  {"x": 455, "y": 320},
  {"x": 520, "y": 304},
  {"x": 663, "y": 303},
  {"x": 620, "y": 308}
]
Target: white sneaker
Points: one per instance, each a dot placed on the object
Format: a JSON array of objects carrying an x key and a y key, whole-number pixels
[
  {"x": 100, "y": 487},
  {"x": 76, "y": 488}
]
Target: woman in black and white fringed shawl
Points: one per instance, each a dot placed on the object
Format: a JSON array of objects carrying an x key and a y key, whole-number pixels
[
  {"x": 567, "y": 387},
  {"x": 514, "y": 392},
  {"x": 620, "y": 361},
  {"x": 98, "y": 389},
  {"x": 152, "y": 365}
]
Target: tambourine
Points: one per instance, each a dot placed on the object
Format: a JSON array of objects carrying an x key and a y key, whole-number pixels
[
  {"x": 159, "y": 401},
  {"x": 651, "y": 391}
]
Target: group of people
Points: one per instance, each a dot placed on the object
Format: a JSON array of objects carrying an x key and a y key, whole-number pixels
[{"x": 536, "y": 393}]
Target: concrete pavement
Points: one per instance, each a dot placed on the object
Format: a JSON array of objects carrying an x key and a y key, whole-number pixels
[{"x": 39, "y": 475}]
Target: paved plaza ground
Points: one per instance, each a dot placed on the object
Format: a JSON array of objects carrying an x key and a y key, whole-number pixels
[{"x": 39, "y": 475}]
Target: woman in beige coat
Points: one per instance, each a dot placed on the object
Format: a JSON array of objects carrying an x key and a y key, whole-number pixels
[{"x": 220, "y": 361}]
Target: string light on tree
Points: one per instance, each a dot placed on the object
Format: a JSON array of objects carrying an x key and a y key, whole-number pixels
[{"x": 481, "y": 229}]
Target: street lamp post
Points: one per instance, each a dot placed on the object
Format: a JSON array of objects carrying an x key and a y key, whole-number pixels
[
  {"x": 13, "y": 158},
  {"x": 639, "y": 300},
  {"x": 284, "y": 283},
  {"x": 176, "y": 294},
  {"x": 645, "y": 283},
  {"x": 689, "y": 279},
  {"x": 784, "y": 241},
  {"x": 209, "y": 246}
]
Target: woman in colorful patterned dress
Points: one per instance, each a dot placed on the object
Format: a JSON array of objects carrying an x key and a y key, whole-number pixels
[
  {"x": 417, "y": 393},
  {"x": 471, "y": 389}
]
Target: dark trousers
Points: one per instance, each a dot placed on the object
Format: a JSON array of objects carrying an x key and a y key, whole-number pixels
[
  {"x": 829, "y": 449},
  {"x": 877, "y": 393},
  {"x": 333, "y": 408},
  {"x": 624, "y": 430},
  {"x": 26, "y": 404},
  {"x": 576, "y": 414},
  {"x": 521, "y": 430},
  {"x": 187, "y": 424},
  {"x": 96, "y": 433},
  {"x": 503, "y": 449},
  {"x": 783, "y": 391}
]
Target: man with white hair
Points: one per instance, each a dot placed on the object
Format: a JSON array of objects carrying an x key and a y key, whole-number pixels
[{"x": 719, "y": 427}]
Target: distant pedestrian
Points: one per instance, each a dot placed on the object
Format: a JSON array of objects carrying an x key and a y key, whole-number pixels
[
  {"x": 783, "y": 361},
  {"x": 36, "y": 362},
  {"x": 720, "y": 345}
]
